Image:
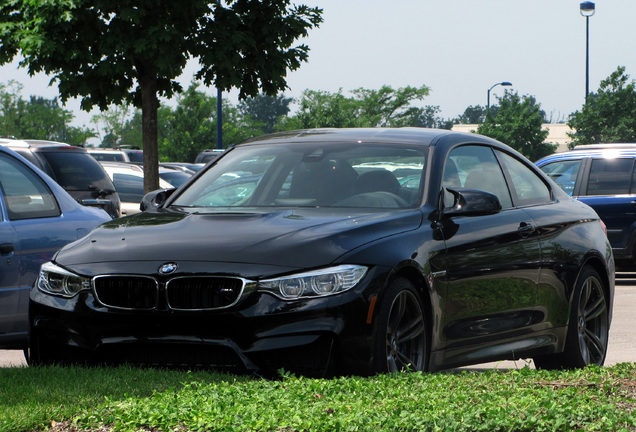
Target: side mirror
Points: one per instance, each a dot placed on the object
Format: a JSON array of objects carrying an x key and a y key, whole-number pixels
[
  {"x": 155, "y": 199},
  {"x": 472, "y": 202}
]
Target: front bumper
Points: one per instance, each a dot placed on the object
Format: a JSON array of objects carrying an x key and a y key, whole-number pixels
[{"x": 261, "y": 334}]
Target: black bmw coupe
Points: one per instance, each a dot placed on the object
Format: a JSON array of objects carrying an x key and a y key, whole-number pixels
[{"x": 338, "y": 251}]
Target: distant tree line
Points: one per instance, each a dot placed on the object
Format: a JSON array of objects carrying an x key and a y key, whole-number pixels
[{"x": 190, "y": 127}]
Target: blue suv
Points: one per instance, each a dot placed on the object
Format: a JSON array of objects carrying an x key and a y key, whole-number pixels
[{"x": 602, "y": 176}]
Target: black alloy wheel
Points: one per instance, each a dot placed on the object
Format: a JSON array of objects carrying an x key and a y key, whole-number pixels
[
  {"x": 402, "y": 334},
  {"x": 588, "y": 329},
  {"x": 592, "y": 326}
]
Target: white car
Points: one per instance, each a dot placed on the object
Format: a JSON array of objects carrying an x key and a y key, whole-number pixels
[{"x": 129, "y": 182}]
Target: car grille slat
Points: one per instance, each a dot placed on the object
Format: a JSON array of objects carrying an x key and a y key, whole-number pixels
[
  {"x": 181, "y": 293},
  {"x": 127, "y": 292},
  {"x": 200, "y": 293}
]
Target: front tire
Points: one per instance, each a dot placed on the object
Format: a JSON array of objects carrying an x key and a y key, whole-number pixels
[
  {"x": 401, "y": 341},
  {"x": 43, "y": 352},
  {"x": 40, "y": 352},
  {"x": 588, "y": 329}
]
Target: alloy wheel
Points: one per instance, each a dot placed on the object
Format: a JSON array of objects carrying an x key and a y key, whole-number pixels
[
  {"x": 406, "y": 334},
  {"x": 592, "y": 322}
]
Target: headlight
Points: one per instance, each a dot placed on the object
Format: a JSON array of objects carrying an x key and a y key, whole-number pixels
[
  {"x": 317, "y": 283},
  {"x": 58, "y": 281}
]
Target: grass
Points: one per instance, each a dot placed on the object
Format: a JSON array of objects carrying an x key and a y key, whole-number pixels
[{"x": 129, "y": 399}]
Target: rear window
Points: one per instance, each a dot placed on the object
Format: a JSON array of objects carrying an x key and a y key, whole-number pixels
[
  {"x": 77, "y": 171},
  {"x": 109, "y": 157},
  {"x": 135, "y": 155}
]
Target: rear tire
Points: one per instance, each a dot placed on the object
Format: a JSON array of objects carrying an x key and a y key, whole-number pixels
[
  {"x": 588, "y": 328},
  {"x": 401, "y": 341}
]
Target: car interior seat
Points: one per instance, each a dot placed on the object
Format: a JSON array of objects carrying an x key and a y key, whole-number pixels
[
  {"x": 377, "y": 181},
  {"x": 451, "y": 175},
  {"x": 325, "y": 181},
  {"x": 482, "y": 179}
]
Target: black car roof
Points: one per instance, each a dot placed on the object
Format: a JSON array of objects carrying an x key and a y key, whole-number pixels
[{"x": 412, "y": 135}]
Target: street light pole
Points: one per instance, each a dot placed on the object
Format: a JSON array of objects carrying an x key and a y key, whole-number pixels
[
  {"x": 503, "y": 83},
  {"x": 219, "y": 119},
  {"x": 587, "y": 10}
]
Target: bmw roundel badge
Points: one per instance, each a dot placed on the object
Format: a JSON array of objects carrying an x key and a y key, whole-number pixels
[{"x": 168, "y": 268}]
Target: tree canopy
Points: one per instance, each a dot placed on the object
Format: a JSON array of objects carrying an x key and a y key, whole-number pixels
[
  {"x": 112, "y": 51},
  {"x": 265, "y": 110},
  {"x": 191, "y": 126},
  {"x": 518, "y": 123},
  {"x": 475, "y": 114},
  {"x": 37, "y": 118},
  {"x": 385, "y": 107},
  {"x": 609, "y": 116}
]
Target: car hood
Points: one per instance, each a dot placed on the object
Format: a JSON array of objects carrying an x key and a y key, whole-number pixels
[{"x": 299, "y": 238}]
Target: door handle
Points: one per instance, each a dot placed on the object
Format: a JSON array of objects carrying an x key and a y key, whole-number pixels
[
  {"x": 525, "y": 229},
  {"x": 7, "y": 248}
]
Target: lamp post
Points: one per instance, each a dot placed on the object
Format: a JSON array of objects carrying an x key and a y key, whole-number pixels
[
  {"x": 587, "y": 10},
  {"x": 219, "y": 119},
  {"x": 503, "y": 83}
]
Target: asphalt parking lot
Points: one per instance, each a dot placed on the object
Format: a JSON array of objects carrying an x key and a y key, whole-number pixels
[{"x": 622, "y": 344}]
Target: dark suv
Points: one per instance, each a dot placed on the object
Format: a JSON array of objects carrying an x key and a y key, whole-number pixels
[
  {"x": 208, "y": 155},
  {"x": 73, "y": 169},
  {"x": 604, "y": 177}
]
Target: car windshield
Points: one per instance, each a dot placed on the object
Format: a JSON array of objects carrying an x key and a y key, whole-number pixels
[{"x": 311, "y": 175}]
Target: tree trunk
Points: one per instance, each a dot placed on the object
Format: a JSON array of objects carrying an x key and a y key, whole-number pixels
[{"x": 149, "y": 107}]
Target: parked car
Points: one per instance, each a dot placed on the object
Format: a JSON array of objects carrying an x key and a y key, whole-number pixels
[
  {"x": 129, "y": 182},
  {"x": 190, "y": 168},
  {"x": 135, "y": 155},
  {"x": 174, "y": 175},
  {"x": 117, "y": 155},
  {"x": 322, "y": 263},
  {"x": 208, "y": 155},
  {"x": 73, "y": 169},
  {"x": 37, "y": 217},
  {"x": 602, "y": 176}
]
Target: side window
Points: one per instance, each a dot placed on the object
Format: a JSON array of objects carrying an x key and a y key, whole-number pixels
[
  {"x": 610, "y": 176},
  {"x": 475, "y": 167},
  {"x": 564, "y": 173},
  {"x": 26, "y": 194},
  {"x": 527, "y": 187}
]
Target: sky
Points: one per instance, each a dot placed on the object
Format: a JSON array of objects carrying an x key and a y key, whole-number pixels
[{"x": 458, "y": 48}]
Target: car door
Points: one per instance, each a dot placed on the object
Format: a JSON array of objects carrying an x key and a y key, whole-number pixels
[
  {"x": 553, "y": 220},
  {"x": 9, "y": 271},
  {"x": 608, "y": 189},
  {"x": 493, "y": 262},
  {"x": 32, "y": 230}
]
